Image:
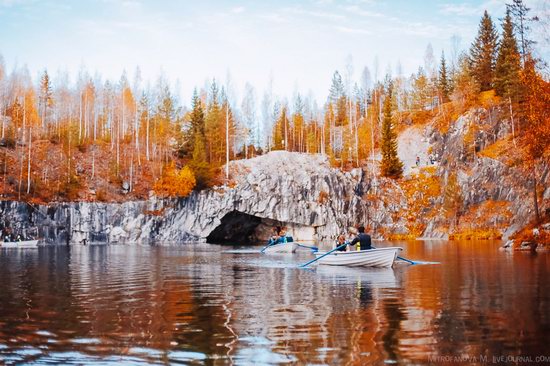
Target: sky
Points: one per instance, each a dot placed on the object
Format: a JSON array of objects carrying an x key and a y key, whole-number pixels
[{"x": 291, "y": 45}]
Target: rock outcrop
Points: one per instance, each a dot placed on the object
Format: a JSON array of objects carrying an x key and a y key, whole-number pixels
[
  {"x": 313, "y": 200},
  {"x": 301, "y": 192}
]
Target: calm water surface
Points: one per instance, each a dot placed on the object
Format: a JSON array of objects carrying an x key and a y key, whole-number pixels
[{"x": 209, "y": 304}]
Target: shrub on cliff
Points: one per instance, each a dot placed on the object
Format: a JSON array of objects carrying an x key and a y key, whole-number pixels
[{"x": 175, "y": 182}]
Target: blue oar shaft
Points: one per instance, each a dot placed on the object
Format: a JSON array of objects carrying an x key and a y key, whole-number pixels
[
  {"x": 307, "y": 246},
  {"x": 398, "y": 257},
  {"x": 406, "y": 260},
  {"x": 327, "y": 253}
]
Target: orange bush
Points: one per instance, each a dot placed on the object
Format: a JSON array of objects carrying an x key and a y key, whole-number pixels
[{"x": 174, "y": 182}]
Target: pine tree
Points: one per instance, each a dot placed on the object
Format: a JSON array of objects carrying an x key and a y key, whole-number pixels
[
  {"x": 337, "y": 98},
  {"x": 214, "y": 131},
  {"x": 520, "y": 11},
  {"x": 197, "y": 123},
  {"x": 390, "y": 165},
  {"x": 483, "y": 53},
  {"x": 443, "y": 81},
  {"x": 199, "y": 163},
  {"x": 508, "y": 61}
]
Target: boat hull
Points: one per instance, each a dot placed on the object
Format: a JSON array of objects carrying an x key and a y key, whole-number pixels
[
  {"x": 281, "y": 248},
  {"x": 26, "y": 244},
  {"x": 380, "y": 257}
]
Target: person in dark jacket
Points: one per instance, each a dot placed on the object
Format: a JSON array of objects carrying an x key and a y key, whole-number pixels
[{"x": 363, "y": 239}]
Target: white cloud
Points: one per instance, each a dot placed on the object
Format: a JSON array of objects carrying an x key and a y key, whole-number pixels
[
  {"x": 352, "y": 30},
  {"x": 354, "y": 9},
  {"x": 238, "y": 9}
]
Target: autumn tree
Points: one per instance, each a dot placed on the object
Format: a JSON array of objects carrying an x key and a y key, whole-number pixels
[
  {"x": 536, "y": 135},
  {"x": 45, "y": 98},
  {"x": 175, "y": 182},
  {"x": 452, "y": 198},
  {"x": 390, "y": 165},
  {"x": 279, "y": 128},
  {"x": 483, "y": 53},
  {"x": 466, "y": 88},
  {"x": 337, "y": 98}
]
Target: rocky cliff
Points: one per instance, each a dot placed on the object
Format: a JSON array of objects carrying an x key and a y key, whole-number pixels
[
  {"x": 316, "y": 201},
  {"x": 299, "y": 191}
]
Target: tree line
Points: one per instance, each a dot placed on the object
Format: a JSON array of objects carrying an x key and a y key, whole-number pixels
[{"x": 147, "y": 134}]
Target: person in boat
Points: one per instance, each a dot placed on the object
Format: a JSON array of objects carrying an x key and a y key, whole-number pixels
[
  {"x": 280, "y": 236},
  {"x": 363, "y": 239},
  {"x": 277, "y": 237},
  {"x": 341, "y": 240}
]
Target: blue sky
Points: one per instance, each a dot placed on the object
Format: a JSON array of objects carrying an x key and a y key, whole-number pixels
[{"x": 297, "y": 44}]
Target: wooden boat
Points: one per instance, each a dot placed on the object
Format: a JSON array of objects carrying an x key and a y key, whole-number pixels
[
  {"x": 380, "y": 257},
  {"x": 25, "y": 244},
  {"x": 289, "y": 247}
]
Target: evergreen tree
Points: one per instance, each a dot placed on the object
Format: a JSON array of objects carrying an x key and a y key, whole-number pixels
[
  {"x": 199, "y": 162},
  {"x": 337, "y": 98},
  {"x": 520, "y": 11},
  {"x": 336, "y": 89},
  {"x": 390, "y": 166},
  {"x": 443, "y": 81},
  {"x": 483, "y": 53},
  {"x": 214, "y": 129},
  {"x": 508, "y": 61},
  {"x": 197, "y": 121}
]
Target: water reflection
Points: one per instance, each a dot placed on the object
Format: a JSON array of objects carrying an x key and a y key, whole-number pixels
[{"x": 198, "y": 304}]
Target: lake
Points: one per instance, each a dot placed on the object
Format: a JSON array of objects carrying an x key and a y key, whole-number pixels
[{"x": 209, "y": 304}]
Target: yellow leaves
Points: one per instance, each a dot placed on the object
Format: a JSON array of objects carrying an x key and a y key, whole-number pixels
[
  {"x": 175, "y": 182},
  {"x": 488, "y": 99},
  {"x": 420, "y": 190},
  {"x": 498, "y": 150}
]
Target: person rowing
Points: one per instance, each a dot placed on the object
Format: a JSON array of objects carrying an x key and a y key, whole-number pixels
[
  {"x": 363, "y": 239},
  {"x": 280, "y": 236}
]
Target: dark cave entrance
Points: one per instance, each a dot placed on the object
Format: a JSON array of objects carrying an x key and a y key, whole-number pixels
[
  {"x": 235, "y": 228},
  {"x": 240, "y": 228}
]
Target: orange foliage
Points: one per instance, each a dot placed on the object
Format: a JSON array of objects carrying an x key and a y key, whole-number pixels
[
  {"x": 174, "y": 182},
  {"x": 484, "y": 221},
  {"x": 488, "y": 99},
  {"x": 420, "y": 189},
  {"x": 498, "y": 150}
]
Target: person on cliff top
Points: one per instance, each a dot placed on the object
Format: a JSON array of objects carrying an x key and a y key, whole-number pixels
[{"x": 363, "y": 239}]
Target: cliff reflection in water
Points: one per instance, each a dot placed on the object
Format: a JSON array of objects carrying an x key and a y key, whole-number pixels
[{"x": 195, "y": 303}]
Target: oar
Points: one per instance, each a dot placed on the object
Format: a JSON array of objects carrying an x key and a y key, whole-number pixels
[
  {"x": 327, "y": 253},
  {"x": 403, "y": 259},
  {"x": 267, "y": 246},
  {"x": 307, "y": 246},
  {"x": 406, "y": 260}
]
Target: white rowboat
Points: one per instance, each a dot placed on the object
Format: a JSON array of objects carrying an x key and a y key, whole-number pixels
[
  {"x": 380, "y": 257},
  {"x": 25, "y": 244},
  {"x": 289, "y": 247}
]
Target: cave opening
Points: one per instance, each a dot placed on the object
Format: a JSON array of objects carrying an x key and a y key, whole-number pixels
[
  {"x": 235, "y": 228},
  {"x": 241, "y": 228}
]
